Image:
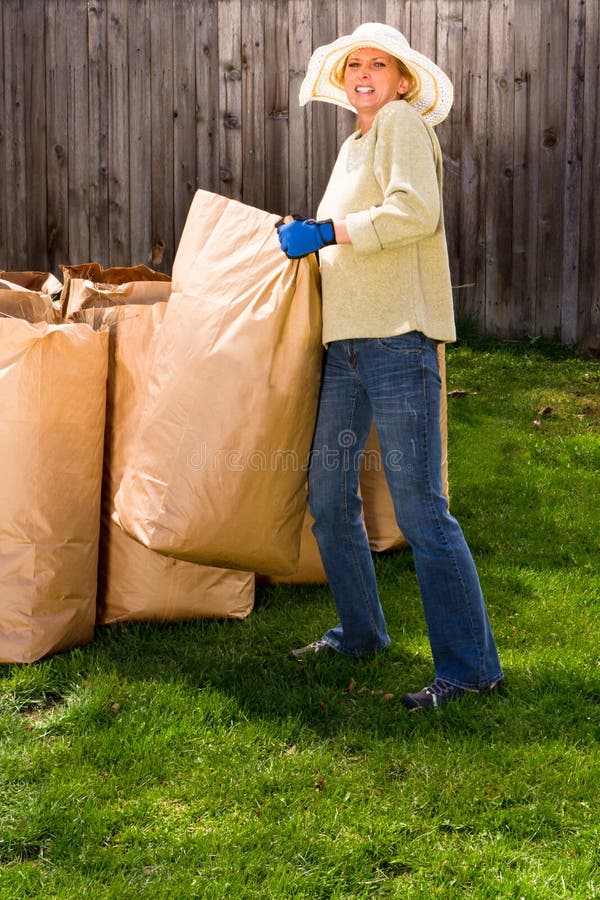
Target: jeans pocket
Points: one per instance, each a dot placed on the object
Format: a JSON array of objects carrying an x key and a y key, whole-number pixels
[{"x": 411, "y": 342}]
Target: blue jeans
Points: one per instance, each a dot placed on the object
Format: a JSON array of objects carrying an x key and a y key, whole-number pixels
[{"x": 394, "y": 381}]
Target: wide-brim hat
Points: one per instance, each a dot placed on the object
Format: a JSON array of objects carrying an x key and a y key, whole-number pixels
[{"x": 431, "y": 95}]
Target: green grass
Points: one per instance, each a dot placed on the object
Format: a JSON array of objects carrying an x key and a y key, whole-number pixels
[{"x": 193, "y": 760}]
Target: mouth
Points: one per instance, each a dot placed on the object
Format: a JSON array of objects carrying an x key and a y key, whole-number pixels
[{"x": 364, "y": 90}]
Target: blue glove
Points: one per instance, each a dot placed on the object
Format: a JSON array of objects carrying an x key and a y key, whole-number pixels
[{"x": 303, "y": 236}]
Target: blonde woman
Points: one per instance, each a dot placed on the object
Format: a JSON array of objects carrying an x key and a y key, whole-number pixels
[{"x": 386, "y": 304}]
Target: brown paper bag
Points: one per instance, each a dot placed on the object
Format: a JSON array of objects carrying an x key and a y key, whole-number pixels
[
  {"x": 32, "y": 306},
  {"x": 89, "y": 295},
  {"x": 134, "y": 583},
  {"x": 97, "y": 274},
  {"x": 217, "y": 473},
  {"x": 45, "y": 282},
  {"x": 52, "y": 403},
  {"x": 310, "y": 567}
]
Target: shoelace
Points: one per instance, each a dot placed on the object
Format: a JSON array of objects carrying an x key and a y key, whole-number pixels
[{"x": 441, "y": 690}]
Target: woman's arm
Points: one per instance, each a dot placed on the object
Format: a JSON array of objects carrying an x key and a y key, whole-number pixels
[
  {"x": 406, "y": 167},
  {"x": 341, "y": 232}
]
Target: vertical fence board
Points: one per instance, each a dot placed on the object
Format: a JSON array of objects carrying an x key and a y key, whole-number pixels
[
  {"x": 119, "y": 252},
  {"x": 184, "y": 113},
  {"x": 370, "y": 11},
  {"x": 57, "y": 143},
  {"x": 574, "y": 150},
  {"x": 207, "y": 96},
  {"x": 35, "y": 139},
  {"x": 161, "y": 82},
  {"x": 256, "y": 41},
  {"x": 526, "y": 151},
  {"x": 349, "y": 17},
  {"x": 551, "y": 167},
  {"x": 470, "y": 300},
  {"x": 77, "y": 134},
  {"x": 230, "y": 98},
  {"x": 423, "y": 22},
  {"x": 138, "y": 38},
  {"x": 500, "y": 165},
  {"x": 449, "y": 132},
  {"x": 98, "y": 133},
  {"x": 276, "y": 108},
  {"x": 589, "y": 268},
  {"x": 324, "y": 122},
  {"x": 398, "y": 14},
  {"x": 15, "y": 236},
  {"x": 300, "y": 121}
]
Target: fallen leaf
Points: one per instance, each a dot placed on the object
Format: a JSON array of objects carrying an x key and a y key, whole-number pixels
[
  {"x": 322, "y": 704},
  {"x": 320, "y": 784},
  {"x": 351, "y": 687},
  {"x": 387, "y": 697}
]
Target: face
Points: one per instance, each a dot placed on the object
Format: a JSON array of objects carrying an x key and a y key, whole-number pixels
[{"x": 372, "y": 78}]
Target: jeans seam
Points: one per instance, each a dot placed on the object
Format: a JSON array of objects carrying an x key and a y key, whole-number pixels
[
  {"x": 476, "y": 642},
  {"x": 355, "y": 561}
]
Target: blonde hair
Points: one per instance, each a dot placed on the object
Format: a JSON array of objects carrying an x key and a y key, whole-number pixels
[{"x": 339, "y": 72}]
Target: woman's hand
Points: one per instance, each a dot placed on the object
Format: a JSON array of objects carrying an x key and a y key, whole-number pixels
[{"x": 300, "y": 236}]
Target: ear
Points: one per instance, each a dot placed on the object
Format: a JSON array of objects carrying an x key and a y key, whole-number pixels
[{"x": 403, "y": 85}]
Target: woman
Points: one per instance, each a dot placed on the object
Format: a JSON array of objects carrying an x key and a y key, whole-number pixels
[{"x": 387, "y": 303}]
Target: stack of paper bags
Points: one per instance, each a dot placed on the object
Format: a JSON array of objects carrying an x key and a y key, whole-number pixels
[{"x": 135, "y": 583}]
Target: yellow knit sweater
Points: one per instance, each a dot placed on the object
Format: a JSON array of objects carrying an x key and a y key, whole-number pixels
[{"x": 394, "y": 276}]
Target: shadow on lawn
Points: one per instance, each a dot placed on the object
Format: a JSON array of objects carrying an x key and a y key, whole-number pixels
[{"x": 341, "y": 699}]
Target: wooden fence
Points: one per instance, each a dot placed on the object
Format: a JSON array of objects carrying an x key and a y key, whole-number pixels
[{"x": 112, "y": 113}]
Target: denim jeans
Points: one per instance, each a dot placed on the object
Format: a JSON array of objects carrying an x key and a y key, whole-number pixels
[{"x": 394, "y": 381}]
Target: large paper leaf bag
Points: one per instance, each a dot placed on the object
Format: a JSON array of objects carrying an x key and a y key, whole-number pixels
[
  {"x": 18, "y": 299},
  {"x": 52, "y": 404},
  {"x": 135, "y": 583},
  {"x": 218, "y": 469},
  {"x": 96, "y": 274}
]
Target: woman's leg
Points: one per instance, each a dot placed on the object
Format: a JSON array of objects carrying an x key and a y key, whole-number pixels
[
  {"x": 402, "y": 381},
  {"x": 343, "y": 426}
]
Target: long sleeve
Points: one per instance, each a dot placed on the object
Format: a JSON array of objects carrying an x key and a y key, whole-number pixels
[{"x": 405, "y": 167}]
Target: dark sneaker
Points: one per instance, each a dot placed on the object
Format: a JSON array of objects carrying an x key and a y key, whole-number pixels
[
  {"x": 437, "y": 694},
  {"x": 320, "y": 648},
  {"x": 441, "y": 692}
]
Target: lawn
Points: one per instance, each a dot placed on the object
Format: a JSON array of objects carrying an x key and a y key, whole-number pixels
[{"x": 194, "y": 760}]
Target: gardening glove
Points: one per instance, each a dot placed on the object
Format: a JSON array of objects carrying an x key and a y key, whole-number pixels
[{"x": 303, "y": 236}]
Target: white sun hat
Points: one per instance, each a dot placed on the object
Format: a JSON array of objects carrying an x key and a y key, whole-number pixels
[{"x": 431, "y": 95}]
